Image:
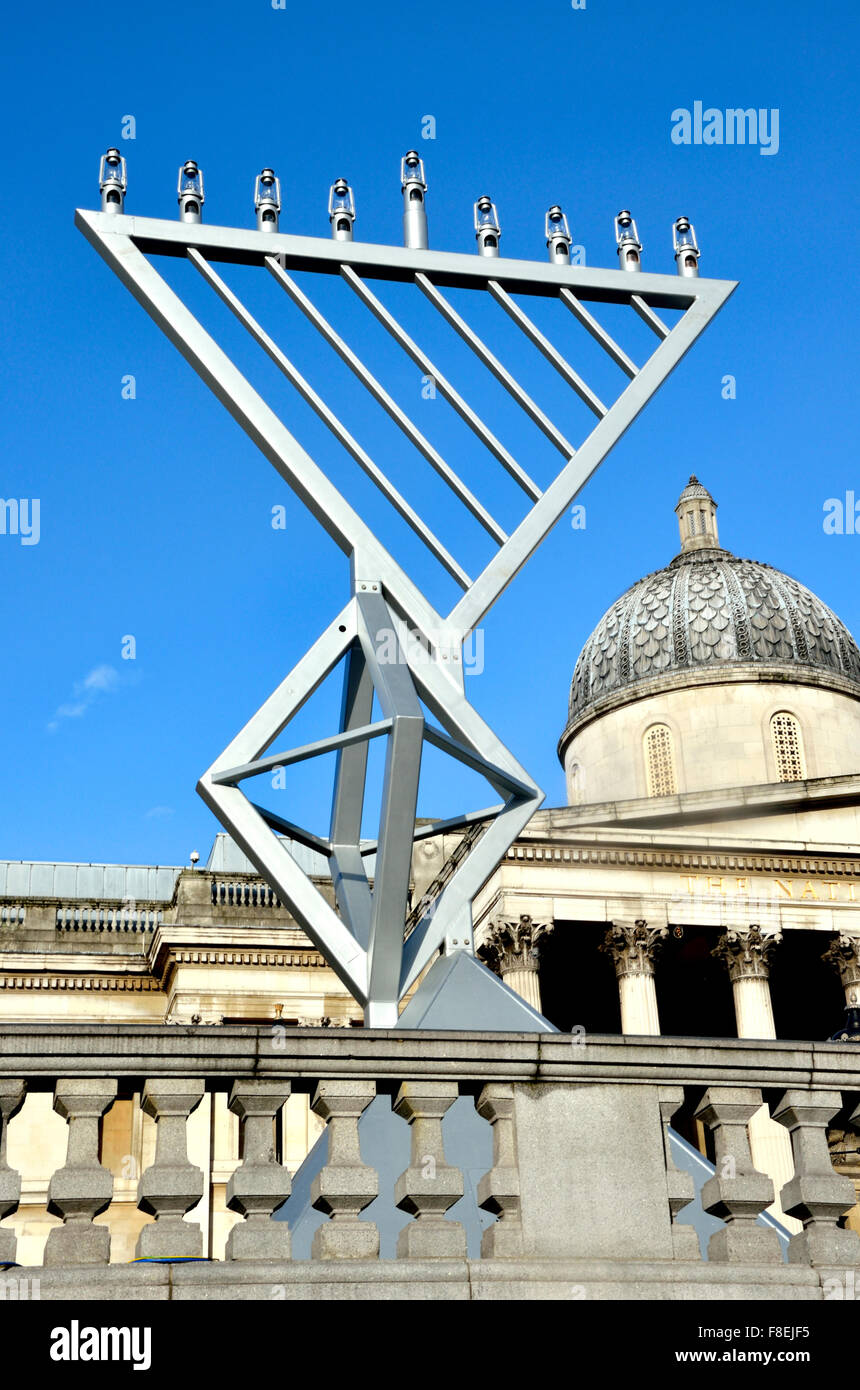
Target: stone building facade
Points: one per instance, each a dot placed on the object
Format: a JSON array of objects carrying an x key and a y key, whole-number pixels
[{"x": 703, "y": 882}]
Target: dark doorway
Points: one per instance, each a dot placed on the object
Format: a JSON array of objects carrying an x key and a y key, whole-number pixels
[
  {"x": 577, "y": 980},
  {"x": 694, "y": 993},
  {"x": 808, "y": 1000}
]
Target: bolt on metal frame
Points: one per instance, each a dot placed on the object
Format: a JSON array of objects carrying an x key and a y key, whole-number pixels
[{"x": 365, "y": 939}]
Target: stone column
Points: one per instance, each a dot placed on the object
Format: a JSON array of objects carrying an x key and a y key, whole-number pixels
[
  {"x": 346, "y": 1185},
  {"x": 737, "y": 1192},
  {"x": 844, "y": 954},
  {"x": 512, "y": 949},
  {"x": 82, "y": 1188},
  {"x": 172, "y": 1185},
  {"x": 499, "y": 1189},
  {"x": 817, "y": 1195},
  {"x": 11, "y": 1100},
  {"x": 633, "y": 947},
  {"x": 260, "y": 1184},
  {"x": 746, "y": 951},
  {"x": 429, "y": 1186}
]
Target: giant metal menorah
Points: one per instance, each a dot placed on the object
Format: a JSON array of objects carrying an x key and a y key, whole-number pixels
[{"x": 366, "y": 940}]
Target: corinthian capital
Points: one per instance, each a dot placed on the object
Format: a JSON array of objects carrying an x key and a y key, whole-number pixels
[
  {"x": 633, "y": 946},
  {"x": 747, "y": 951},
  {"x": 844, "y": 954},
  {"x": 514, "y": 945}
]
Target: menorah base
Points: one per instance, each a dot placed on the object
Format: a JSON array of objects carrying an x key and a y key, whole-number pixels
[
  {"x": 459, "y": 993},
  {"x": 377, "y": 944}
]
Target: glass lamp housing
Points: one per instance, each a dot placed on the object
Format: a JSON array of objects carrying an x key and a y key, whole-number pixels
[
  {"x": 626, "y": 230},
  {"x": 190, "y": 181},
  {"x": 486, "y": 217},
  {"x": 340, "y": 200},
  {"x": 412, "y": 169},
  {"x": 112, "y": 170},
  {"x": 684, "y": 235},
  {"x": 556, "y": 223},
  {"x": 267, "y": 190}
]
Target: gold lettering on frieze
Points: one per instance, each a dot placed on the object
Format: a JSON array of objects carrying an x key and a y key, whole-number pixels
[{"x": 799, "y": 890}]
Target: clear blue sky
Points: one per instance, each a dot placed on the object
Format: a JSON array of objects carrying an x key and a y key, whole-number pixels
[{"x": 155, "y": 513}]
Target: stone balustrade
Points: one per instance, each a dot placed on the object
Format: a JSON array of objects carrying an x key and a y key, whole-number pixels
[{"x": 581, "y": 1197}]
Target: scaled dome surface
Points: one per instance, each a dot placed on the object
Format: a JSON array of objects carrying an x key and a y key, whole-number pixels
[{"x": 707, "y": 615}]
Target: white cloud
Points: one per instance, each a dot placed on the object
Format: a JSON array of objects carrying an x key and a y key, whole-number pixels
[
  {"x": 100, "y": 678},
  {"x": 159, "y": 811},
  {"x": 99, "y": 681}
]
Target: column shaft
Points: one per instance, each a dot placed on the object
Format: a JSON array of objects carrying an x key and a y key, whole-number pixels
[
  {"x": 746, "y": 952},
  {"x": 633, "y": 947},
  {"x": 638, "y": 996}
]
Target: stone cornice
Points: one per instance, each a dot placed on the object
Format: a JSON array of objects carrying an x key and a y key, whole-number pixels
[
  {"x": 550, "y": 855},
  {"x": 720, "y": 803},
  {"x": 29, "y": 962},
  {"x": 195, "y": 956},
  {"x": 135, "y": 984},
  {"x": 246, "y": 947}
]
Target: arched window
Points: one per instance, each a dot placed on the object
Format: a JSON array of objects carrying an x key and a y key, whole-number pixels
[
  {"x": 787, "y": 747},
  {"x": 660, "y": 761}
]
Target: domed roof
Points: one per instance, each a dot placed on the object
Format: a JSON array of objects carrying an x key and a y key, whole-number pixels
[{"x": 706, "y": 618}]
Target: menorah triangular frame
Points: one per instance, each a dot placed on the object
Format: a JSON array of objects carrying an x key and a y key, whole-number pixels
[{"x": 366, "y": 940}]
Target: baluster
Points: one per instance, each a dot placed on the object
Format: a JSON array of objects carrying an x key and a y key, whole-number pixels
[
  {"x": 346, "y": 1185},
  {"x": 11, "y": 1100},
  {"x": 429, "y": 1186},
  {"x": 816, "y": 1194},
  {"x": 499, "y": 1189},
  {"x": 260, "y": 1184},
  {"x": 82, "y": 1188},
  {"x": 171, "y": 1185},
  {"x": 737, "y": 1192},
  {"x": 680, "y": 1187}
]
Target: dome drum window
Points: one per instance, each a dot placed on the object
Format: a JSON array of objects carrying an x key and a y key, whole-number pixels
[
  {"x": 660, "y": 761},
  {"x": 787, "y": 747}
]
